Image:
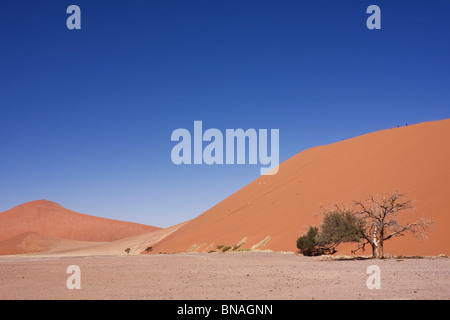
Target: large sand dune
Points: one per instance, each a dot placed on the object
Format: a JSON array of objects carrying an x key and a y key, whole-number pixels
[
  {"x": 31, "y": 242},
  {"x": 49, "y": 219},
  {"x": 414, "y": 159},
  {"x": 272, "y": 211}
]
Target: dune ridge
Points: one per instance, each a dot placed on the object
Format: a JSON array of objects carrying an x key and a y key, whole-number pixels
[{"x": 50, "y": 219}]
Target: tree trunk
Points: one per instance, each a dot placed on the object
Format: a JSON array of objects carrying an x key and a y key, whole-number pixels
[
  {"x": 375, "y": 252},
  {"x": 374, "y": 244},
  {"x": 380, "y": 249}
]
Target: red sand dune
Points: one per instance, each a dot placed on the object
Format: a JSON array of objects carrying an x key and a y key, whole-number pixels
[
  {"x": 49, "y": 219},
  {"x": 31, "y": 242},
  {"x": 25, "y": 243},
  {"x": 414, "y": 159}
]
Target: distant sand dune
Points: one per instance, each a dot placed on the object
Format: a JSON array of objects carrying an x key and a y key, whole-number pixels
[
  {"x": 31, "y": 242},
  {"x": 50, "y": 219},
  {"x": 38, "y": 245}
]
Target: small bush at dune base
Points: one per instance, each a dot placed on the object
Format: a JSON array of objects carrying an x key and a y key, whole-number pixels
[{"x": 225, "y": 249}]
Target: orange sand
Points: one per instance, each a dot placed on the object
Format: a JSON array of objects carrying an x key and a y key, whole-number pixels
[{"x": 413, "y": 159}]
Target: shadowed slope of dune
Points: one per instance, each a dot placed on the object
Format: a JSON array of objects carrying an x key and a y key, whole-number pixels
[
  {"x": 25, "y": 243},
  {"x": 49, "y": 219},
  {"x": 136, "y": 244},
  {"x": 414, "y": 159},
  {"x": 31, "y": 242}
]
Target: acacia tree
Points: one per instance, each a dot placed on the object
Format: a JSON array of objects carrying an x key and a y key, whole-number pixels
[
  {"x": 378, "y": 216},
  {"x": 372, "y": 222},
  {"x": 309, "y": 244},
  {"x": 337, "y": 227}
]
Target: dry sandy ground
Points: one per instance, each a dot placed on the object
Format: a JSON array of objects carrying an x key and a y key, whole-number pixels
[{"x": 221, "y": 276}]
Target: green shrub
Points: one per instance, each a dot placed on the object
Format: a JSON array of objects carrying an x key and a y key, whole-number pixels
[
  {"x": 337, "y": 227},
  {"x": 308, "y": 244},
  {"x": 148, "y": 249},
  {"x": 225, "y": 249}
]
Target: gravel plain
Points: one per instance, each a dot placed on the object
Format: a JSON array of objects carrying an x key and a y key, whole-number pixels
[{"x": 242, "y": 276}]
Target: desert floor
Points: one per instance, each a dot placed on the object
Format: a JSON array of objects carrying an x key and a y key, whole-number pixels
[{"x": 221, "y": 276}]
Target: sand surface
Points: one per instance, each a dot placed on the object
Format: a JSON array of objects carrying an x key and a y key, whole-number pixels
[{"x": 221, "y": 276}]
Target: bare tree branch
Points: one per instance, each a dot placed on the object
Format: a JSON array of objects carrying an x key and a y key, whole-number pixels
[{"x": 379, "y": 214}]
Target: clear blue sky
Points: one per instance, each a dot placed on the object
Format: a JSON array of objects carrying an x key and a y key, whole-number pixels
[{"x": 86, "y": 115}]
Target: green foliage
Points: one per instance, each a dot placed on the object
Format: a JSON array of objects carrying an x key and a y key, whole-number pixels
[
  {"x": 337, "y": 227},
  {"x": 340, "y": 227},
  {"x": 225, "y": 249},
  {"x": 308, "y": 244},
  {"x": 220, "y": 246},
  {"x": 148, "y": 249}
]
